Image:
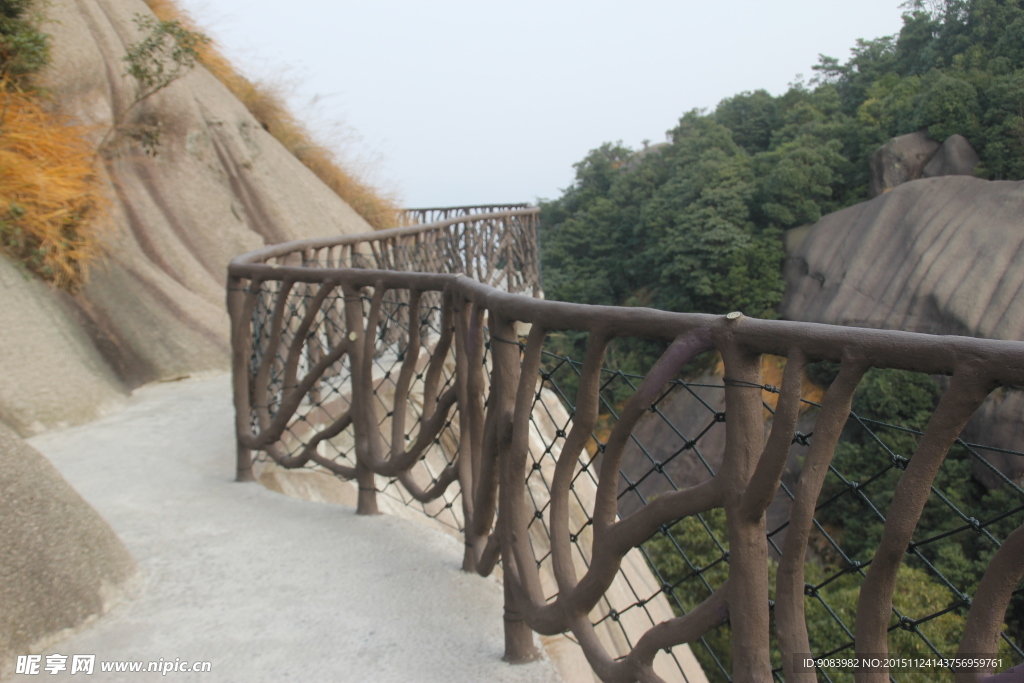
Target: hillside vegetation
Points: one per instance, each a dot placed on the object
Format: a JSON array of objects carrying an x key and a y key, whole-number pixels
[
  {"x": 694, "y": 224},
  {"x": 52, "y": 199}
]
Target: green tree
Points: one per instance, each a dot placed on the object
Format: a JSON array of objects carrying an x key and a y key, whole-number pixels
[
  {"x": 24, "y": 48},
  {"x": 752, "y": 117},
  {"x": 947, "y": 105}
]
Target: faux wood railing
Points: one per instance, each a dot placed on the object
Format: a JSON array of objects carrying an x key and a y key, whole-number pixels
[{"x": 412, "y": 361}]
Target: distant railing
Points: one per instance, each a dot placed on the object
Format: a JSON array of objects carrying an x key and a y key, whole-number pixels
[
  {"x": 376, "y": 358},
  {"x": 434, "y": 215}
]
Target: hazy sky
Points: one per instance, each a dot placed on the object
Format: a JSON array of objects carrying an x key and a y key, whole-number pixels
[{"x": 472, "y": 102}]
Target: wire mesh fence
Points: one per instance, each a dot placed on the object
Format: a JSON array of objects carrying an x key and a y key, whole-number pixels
[{"x": 680, "y": 444}]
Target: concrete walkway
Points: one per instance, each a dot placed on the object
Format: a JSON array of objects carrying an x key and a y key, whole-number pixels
[{"x": 265, "y": 587}]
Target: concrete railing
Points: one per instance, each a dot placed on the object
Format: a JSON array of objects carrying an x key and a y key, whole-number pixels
[{"x": 413, "y": 362}]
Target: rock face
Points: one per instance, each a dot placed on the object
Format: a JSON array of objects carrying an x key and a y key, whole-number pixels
[
  {"x": 219, "y": 186},
  {"x": 955, "y": 157},
  {"x": 900, "y": 160},
  {"x": 915, "y": 155},
  {"x": 50, "y": 372},
  {"x": 60, "y": 562},
  {"x": 940, "y": 255}
]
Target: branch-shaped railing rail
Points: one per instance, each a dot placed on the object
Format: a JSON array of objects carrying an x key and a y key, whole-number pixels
[
  {"x": 436, "y": 214},
  {"x": 377, "y": 359}
]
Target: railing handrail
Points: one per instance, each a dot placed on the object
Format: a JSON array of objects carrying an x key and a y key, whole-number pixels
[
  {"x": 468, "y": 208},
  {"x": 923, "y": 352},
  {"x": 284, "y": 248}
]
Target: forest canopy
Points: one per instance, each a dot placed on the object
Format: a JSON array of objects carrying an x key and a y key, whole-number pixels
[{"x": 694, "y": 224}]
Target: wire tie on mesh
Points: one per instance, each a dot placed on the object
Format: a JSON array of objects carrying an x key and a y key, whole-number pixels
[{"x": 729, "y": 382}]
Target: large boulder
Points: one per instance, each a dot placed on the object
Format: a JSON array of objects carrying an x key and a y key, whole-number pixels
[
  {"x": 940, "y": 255},
  {"x": 955, "y": 157},
  {"x": 900, "y": 160},
  {"x": 219, "y": 186},
  {"x": 60, "y": 562}
]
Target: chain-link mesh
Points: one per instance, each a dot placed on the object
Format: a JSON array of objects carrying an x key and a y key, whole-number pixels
[
  {"x": 689, "y": 559},
  {"x": 331, "y": 396},
  {"x": 681, "y": 444}
]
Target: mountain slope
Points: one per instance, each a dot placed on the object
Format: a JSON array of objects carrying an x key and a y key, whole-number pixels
[{"x": 219, "y": 185}]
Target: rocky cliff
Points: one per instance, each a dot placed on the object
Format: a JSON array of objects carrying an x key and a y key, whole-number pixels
[
  {"x": 940, "y": 255},
  {"x": 153, "y": 309}
]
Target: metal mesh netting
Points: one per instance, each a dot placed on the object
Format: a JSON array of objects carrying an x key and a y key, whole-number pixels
[
  {"x": 690, "y": 557},
  {"x": 331, "y": 396}
]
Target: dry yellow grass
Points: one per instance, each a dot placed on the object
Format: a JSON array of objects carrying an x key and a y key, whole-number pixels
[
  {"x": 267, "y": 105},
  {"x": 51, "y": 202}
]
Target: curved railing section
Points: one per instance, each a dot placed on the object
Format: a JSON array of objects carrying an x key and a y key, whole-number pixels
[
  {"x": 413, "y": 363},
  {"x": 436, "y": 214}
]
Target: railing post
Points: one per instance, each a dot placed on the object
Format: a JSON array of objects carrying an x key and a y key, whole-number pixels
[
  {"x": 241, "y": 343},
  {"x": 519, "y": 647},
  {"x": 366, "y": 502},
  {"x": 748, "y": 549}
]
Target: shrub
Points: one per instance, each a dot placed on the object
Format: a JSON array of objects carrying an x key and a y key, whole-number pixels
[{"x": 24, "y": 48}]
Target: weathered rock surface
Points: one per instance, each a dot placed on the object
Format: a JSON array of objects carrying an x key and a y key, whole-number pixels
[
  {"x": 955, "y": 157},
  {"x": 939, "y": 255},
  {"x": 50, "y": 372},
  {"x": 915, "y": 155},
  {"x": 220, "y": 185},
  {"x": 900, "y": 160},
  {"x": 60, "y": 562}
]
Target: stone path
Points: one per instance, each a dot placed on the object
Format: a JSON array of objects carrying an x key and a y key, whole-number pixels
[{"x": 265, "y": 587}]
